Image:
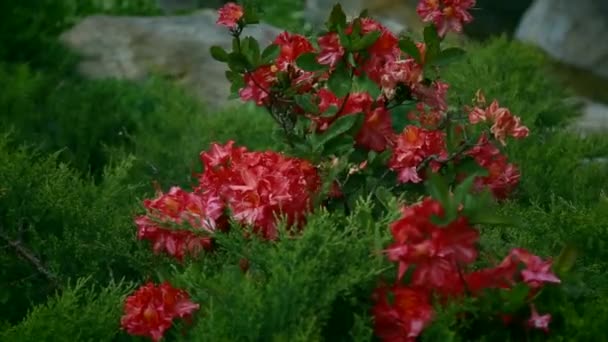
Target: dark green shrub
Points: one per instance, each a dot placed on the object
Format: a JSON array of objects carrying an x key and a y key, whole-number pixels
[
  {"x": 517, "y": 76},
  {"x": 312, "y": 287},
  {"x": 55, "y": 225},
  {"x": 96, "y": 121},
  {"x": 81, "y": 312},
  {"x": 551, "y": 161}
]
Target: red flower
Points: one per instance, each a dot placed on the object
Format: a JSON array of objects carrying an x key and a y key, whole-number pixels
[
  {"x": 537, "y": 272},
  {"x": 258, "y": 84},
  {"x": 447, "y": 15},
  {"x": 167, "y": 216},
  {"x": 256, "y": 187},
  {"x": 504, "y": 124},
  {"x": 330, "y": 49},
  {"x": 502, "y": 177},
  {"x": 434, "y": 95},
  {"x": 404, "y": 71},
  {"x": 429, "y": 118},
  {"x": 377, "y": 130},
  {"x": 437, "y": 252},
  {"x": 405, "y": 318},
  {"x": 411, "y": 148},
  {"x": 229, "y": 15},
  {"x": 150, "y": 311},
  {"x": 292, "y": 46},
  {"x": 537, "y": 321}
]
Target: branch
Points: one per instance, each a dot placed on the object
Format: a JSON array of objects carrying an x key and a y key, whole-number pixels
[
  {"x": 28, "y": 256},
  {"x": 452, "y": 156}
]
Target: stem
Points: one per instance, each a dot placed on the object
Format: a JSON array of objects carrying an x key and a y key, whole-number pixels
[
  {"x": 28, "y": 256},
  {"x": 451, "y": 157}
]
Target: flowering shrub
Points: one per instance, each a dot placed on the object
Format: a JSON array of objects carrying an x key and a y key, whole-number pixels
[{"x": 362, "y": 112}]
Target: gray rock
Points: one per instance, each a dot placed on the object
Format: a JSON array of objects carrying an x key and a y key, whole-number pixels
[
  {"x": 573, "y": 32},
  {"x": 392, "y": 14},
  {"x": 594, "y": 117},
  {"x": 174, "y": 46}
]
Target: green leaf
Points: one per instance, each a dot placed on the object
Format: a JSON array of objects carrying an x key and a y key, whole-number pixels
[
  {"x": 566, "y": 259},
  {"x": 489, "y": 217},
  {"x": 337, "y": 18},
  {"x": 432, "y": 41},
  {"x": 270, "y": 53},
  {"x": 219, "y": 54},
  {"x": 384, "y": 196},
  {"x": 515, "y": 298},
  {"x": 251, "y": 49},
  {"x": 342, "y": 125},
  {"x": 365, "y": 84},
  {"x": 408, "y": 46},
  {"x": 305, "y": 102},
  {"x": 366, "y": 41},
  {"x": 330, "y": 112},
  {"x": 308, "y": 62},
  {"x": 399, "y": 115},
  {"x": 345, "y": 40},
  {"x": 463, "y": 189},
  {"x": 237, "y": 62},
  {"x": 448, "y": 55},
  {"x": 340, "y": 81}
]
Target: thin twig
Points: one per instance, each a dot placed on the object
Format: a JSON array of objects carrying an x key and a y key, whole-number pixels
[{"x": 27, "y": 255}]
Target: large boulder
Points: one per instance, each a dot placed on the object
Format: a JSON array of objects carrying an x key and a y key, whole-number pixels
[
  {"x": 174, "y": 46},
  {"x": 573, "y": 32}
]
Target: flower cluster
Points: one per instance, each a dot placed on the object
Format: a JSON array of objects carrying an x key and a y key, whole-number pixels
[
  {"x": 151, "y": 310},
  {"x": 349, "y": 87},
  {"x": 399, "y": 76},
  {"x": 253, "y": 187},
  {"x": 230, "y": 15},
  {"x": 257, "y": 187},
  {"x": 447, "y": 15},
  {"x": 503, "y": 123},
  {"x": 439, "y": 259}
]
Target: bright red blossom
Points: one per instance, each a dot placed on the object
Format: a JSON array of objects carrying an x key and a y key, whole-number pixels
[
  {"x": 291, "y": 46},
  {"x": 436, "y": 251},
  {"x": 258, "y": 85},
  {"x": 403, "y": 319},
  {"x": 413, "y": 146},
  {"x": 256, "y": 187},
  {"x": 229, "y": 15},
  {"x": 502, "y": 176},
  {"x": 447, "y": 15},
  {"x": 170, "y": 211},
  {"x": 150, "y": 311}
]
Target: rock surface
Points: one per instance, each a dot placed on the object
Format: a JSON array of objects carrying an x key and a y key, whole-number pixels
[
  {"x": 573, "y": 32},
  {"x": 174, "y": 46},
  {"x": 594, "y": 117},
  {"x": 397, "y": 15}
]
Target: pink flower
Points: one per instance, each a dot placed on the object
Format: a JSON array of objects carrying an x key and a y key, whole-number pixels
[
  {"x": 447, "y": 15},
  {"x": 504, "y": 124},
  {"x": 331, "y": 50},
  {"x": 537, "y": 321},
  {"x": 229, "y": 15}
]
